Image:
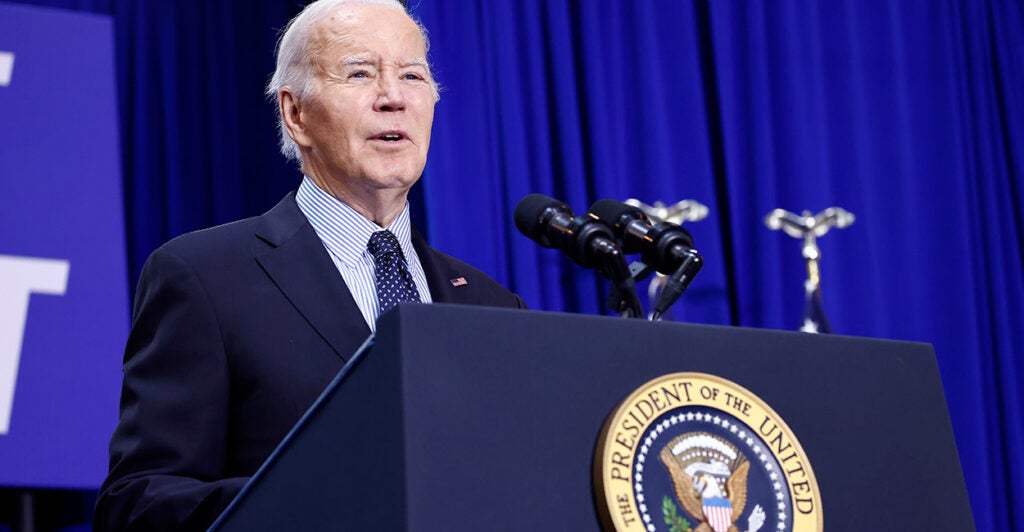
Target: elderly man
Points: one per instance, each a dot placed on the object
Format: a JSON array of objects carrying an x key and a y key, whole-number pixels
[{"x": 238, "y": 328}]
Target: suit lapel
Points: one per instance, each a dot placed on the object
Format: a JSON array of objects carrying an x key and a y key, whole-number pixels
[
  {"x": 439, "y": 274},
  {"x": 301, "y": 268}
]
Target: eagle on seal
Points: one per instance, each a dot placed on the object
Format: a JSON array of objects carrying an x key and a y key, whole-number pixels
[{"x": 698, "y": 478}]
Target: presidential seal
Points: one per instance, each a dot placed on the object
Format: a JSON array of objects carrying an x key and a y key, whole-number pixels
[{"x": 691, "y": 451}]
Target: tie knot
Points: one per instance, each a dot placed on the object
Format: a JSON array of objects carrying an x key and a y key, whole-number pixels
[{"x": 382, "y": 244}]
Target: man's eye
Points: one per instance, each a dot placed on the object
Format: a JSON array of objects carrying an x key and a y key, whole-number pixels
[
  {"x": 359, "y": 74},
  {"x": 412, "y": 76}
]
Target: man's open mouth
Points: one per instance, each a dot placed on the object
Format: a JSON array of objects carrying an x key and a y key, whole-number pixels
[{"x": 391, "y": 136}]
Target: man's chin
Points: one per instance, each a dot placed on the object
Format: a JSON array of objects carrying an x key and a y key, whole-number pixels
[
  {"x": 399, "y": 182},
  {"x": 397, "y": 176}
]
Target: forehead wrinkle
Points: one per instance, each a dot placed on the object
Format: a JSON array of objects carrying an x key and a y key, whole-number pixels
[
  {"x": 318, "y": 54},
  {"x": 336, "y": 30},
  {"x": 324, "y": 40}
]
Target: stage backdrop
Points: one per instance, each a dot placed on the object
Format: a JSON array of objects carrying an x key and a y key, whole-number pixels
[
  {"x": 908, "y": 113},
  {"x": 63, "y": 281}
]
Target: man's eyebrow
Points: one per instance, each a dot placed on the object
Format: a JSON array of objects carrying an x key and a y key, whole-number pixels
[
  {"x": 362, "y": 60},
  {"x": 419, "y": 61},
  {"x": 358, "y": 60}
]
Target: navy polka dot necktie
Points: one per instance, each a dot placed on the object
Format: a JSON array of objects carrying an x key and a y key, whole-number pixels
[{"x": 394, "y": 282}]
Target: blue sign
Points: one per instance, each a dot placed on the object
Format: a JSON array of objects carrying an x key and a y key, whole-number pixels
[{"x": 63, "y": 286}]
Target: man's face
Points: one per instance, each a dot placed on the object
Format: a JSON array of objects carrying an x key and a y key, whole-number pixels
[{"x": 367, "y": 121}]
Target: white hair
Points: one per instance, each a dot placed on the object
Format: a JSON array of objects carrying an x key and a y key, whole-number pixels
[{"x": 294, "y": 69}]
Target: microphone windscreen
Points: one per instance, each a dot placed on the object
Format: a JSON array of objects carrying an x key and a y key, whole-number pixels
[
  {"x": 616, "y": 214},
  {"x": 532, "y": 214}
]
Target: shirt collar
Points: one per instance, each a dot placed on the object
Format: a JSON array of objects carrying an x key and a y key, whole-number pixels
[{"x": 344, "y": 231}]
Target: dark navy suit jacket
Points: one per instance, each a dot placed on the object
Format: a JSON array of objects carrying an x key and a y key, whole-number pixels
[{"x": 236, "y": 331}]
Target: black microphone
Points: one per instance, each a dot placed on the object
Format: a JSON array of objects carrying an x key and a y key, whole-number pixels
[
  {"x": 552, "y": 224},
  {"x": 663, "y": 246},
  {"x": 586, "y": 240}
]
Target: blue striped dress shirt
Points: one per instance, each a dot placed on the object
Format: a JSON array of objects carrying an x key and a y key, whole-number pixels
[{"x": 345, "y": 234}]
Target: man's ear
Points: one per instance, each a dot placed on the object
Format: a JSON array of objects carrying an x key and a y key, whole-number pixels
[{"x": 291, "y": 114}]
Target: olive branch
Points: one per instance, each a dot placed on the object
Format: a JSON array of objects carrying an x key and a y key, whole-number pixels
[{"x": 675, "y": 522}]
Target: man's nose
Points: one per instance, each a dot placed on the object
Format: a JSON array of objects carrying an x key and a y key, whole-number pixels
[{"x": 390, "y": 96}]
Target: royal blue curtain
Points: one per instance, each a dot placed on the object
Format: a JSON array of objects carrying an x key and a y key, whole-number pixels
[{"x": 908, "y": 113}]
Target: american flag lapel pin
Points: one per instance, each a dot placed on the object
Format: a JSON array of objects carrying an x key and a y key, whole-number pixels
[{"x": 459, "y": 281}]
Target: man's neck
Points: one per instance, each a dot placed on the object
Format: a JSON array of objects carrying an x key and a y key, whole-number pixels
[{"x": 381, "y": 206}]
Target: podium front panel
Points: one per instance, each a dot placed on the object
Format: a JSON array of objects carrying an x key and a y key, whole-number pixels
[{"x": 465, "y": 418}]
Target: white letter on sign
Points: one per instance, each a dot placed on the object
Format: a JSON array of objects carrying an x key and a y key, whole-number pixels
[
  {"x": 19, "y": 278},
  {"x": 6, "y": 68}
]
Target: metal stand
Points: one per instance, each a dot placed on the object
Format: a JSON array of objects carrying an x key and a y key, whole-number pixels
[
  {"x": 808, "y": 228},
  {"x": 25, "y": 518}
]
